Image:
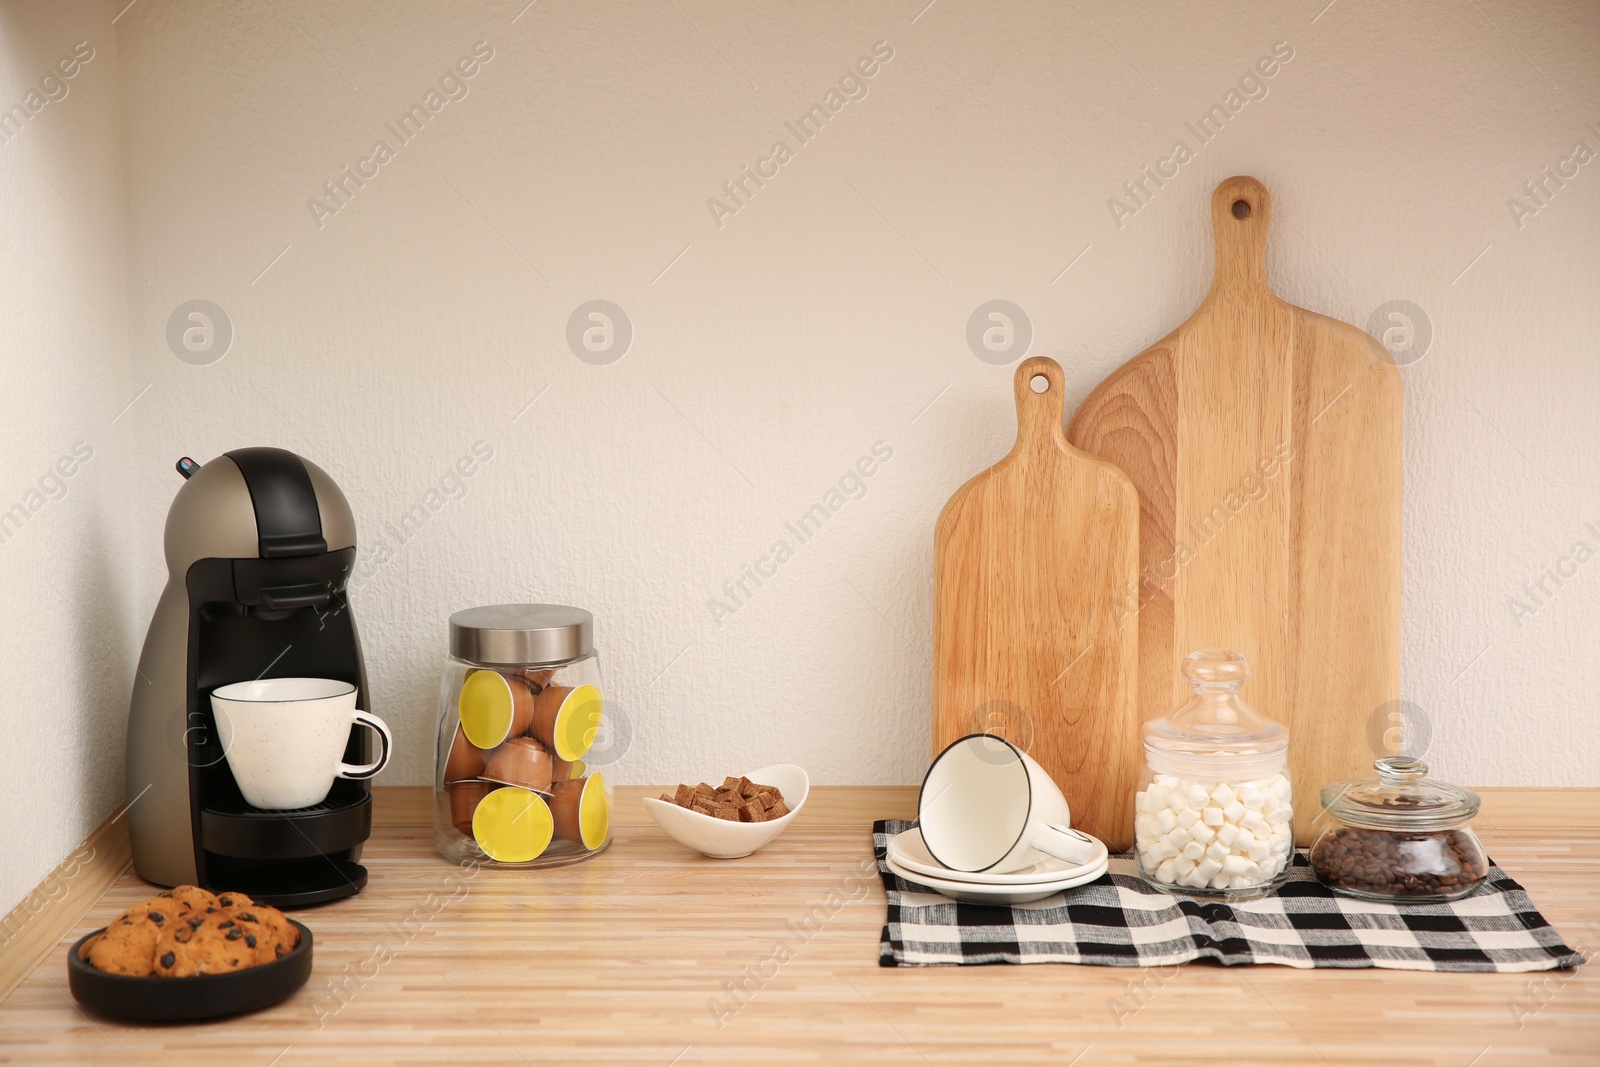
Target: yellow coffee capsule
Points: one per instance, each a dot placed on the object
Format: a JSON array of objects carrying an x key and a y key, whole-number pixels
[{"x": 512, "y": 825}]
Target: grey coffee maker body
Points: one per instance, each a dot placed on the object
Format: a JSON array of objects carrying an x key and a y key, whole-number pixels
[{"x": 260, "y": 545}]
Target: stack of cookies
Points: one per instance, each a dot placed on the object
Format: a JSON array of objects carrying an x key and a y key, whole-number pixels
[
  {"x": 736, "y": 800},
  {"x": 187, "y": 931}
]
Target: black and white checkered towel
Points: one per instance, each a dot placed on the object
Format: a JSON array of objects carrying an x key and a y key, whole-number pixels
[{"x": 1120, "y": 921}]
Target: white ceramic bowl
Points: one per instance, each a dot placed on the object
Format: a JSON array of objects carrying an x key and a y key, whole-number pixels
[{"x": 724, "y": 840}]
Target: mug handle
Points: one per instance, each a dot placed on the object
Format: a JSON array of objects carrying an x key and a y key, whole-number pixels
[
  {"x": 359, "y": 771},
  {"x": 1064, "y": 843}
]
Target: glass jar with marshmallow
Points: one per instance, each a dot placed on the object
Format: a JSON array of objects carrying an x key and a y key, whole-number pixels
[{"x": 1213, "y": 813}]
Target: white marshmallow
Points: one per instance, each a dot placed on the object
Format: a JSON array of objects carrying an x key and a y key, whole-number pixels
[
  {"x": 1201, "y": 832},
  {"x": 1159, "y": 852}
]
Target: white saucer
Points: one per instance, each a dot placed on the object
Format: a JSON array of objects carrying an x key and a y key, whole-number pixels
[
  {"x": 978, "y": 893},
  {"x": 908, "y": 850}
]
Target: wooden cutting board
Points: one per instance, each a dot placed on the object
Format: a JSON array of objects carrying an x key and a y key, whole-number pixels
[
  {"x": 1264, "y": 441},
  {"x": 1031, "y": 560}
]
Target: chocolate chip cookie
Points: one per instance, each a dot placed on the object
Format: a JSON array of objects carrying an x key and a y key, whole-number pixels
[
  {"x": 127, "y": 947},
  {"x": 216, "y": 945}
]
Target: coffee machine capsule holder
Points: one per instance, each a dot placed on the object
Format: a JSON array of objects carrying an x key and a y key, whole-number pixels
[{"x": 260, "y": 545}]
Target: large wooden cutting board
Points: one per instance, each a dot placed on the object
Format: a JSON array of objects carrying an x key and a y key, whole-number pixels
[
  {"x": 1264, "y": 441},
  {"x": 1031, "y": 561}
]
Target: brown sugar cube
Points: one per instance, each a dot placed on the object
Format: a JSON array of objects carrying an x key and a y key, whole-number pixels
[
  {"x": 668, "y": 799},
  {"x": 748, "y": 789},
  {"x": 685, "y": 796},
  {"x": 752, "y": 812},
  {"x": 729, "y": 813},
  {"x": 703, "y": 808},
  {"x": 730, "y": 782},
  {"x": 778, "y": 810},
  {"x": 705, "y": 790},
  {"x": 765, "y": 799}
]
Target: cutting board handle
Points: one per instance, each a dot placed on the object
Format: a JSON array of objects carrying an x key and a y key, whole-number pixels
[
  {"x": 1039, "y": 413},
  {"x": 1240, "y": 211}
]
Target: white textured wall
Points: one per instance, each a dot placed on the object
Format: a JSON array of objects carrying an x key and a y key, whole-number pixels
[
  {"x": 829, "y": 313},
  {"x": 67, "y": 611}
]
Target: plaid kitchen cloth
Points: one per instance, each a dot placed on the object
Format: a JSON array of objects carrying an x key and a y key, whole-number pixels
[{"x": 1120, "y": 921}]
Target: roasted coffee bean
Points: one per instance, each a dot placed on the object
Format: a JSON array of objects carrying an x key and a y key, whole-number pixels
[{"x": 1399, "y": 864}]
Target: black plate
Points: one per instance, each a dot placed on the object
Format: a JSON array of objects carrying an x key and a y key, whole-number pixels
[{"x": 204, "y": 996}]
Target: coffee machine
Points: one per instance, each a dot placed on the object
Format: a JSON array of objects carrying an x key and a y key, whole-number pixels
[{"x": 260, "y": 544}]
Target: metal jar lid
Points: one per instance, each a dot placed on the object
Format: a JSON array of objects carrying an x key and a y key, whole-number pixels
[{"x": 517, "y": 635}]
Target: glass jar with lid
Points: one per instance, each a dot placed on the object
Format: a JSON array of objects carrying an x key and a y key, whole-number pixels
[
  {"x": 1398, "y": 837},
  {"x": 520, "y": 707},
  {"x": 1213, "y": 812}
]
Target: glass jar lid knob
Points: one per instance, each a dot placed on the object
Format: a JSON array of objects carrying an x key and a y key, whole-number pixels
[
  {"x": 1216, "y": 666},
  {"x": 1400, "y": 770}
]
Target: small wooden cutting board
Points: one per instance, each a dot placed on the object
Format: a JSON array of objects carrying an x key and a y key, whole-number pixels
[
  {"x": 1264, "y": 441},
  {"x": 1033, "y": 560}
]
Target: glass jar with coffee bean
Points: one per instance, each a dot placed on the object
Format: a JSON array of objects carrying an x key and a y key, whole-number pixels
[{"x": 1399, "y": 837}]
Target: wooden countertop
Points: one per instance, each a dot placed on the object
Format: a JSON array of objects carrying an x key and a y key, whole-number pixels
[{"x": 626, "y": 959}]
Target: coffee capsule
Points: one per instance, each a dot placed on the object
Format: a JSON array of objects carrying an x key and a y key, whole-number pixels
[
  {"x": 465, "y": 760},
  {"x": 581, "y": 811},
  {"x": 512, "y": 825},
  {"x": 566, "y": 719},
  {"x": 464, "y": 799},
  {"x": 521, "y": 761},
  {"x": 494, "y": 707}
]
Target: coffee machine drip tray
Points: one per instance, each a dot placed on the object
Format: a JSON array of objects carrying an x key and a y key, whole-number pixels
[
  {"x": 231, "y": 827},
  {"x": 290, "y": 883}
]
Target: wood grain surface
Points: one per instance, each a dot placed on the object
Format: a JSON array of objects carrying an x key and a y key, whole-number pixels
[
  {"x": 31, "y": 931},
  {"x": 1031, "y": 560},
  {"x": 1264, "y": 441},
  {"x": 629, "y": 959}
]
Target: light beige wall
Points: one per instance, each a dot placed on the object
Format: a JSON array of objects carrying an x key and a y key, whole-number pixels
[
  {"x": 771, "y": 352},
  {"x": 67, "y": 552}
]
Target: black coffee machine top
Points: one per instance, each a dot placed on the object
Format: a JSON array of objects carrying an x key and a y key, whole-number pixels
[{"x": 260, "y": 544}]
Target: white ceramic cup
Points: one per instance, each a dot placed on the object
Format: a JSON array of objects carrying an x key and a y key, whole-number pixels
[
  {"x": 985, "y": 803},
  {"x": 285, "y": 738}
]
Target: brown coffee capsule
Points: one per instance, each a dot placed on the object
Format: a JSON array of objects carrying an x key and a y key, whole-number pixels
[
  {"x": 523, "y": 762},
  {"x": 464, "y": 798},
  {"x": 465, "y": 760}
]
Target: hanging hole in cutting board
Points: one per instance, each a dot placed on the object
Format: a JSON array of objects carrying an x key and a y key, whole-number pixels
[
  {"x": 1039, "y": 383},
  {"x": 1241, "y": 209}
]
